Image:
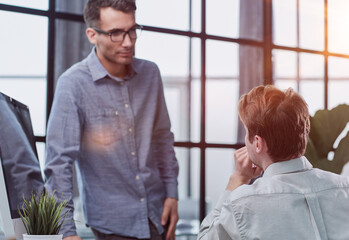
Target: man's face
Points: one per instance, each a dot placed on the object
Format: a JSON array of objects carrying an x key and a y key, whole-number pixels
[{"x": 115, "y": 53}]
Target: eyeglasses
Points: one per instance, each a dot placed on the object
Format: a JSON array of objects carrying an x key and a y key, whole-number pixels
[{"x": 119, "y": 35}]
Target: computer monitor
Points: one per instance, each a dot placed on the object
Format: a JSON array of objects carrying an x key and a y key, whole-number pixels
[
  {"x": 12, "y": 227},
  {"x": 20, "y": 173}
]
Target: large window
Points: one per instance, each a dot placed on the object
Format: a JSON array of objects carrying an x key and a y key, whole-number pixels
[
  {"x": 311, "y": 52},
  {"x": 208, "y": 53}
]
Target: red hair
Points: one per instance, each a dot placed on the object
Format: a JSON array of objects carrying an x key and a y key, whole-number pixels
[{"x": 281, "y": 118}]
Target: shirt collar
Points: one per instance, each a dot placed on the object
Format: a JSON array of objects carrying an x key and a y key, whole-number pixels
[
  {"x": 98, "y": 71},
  {"x": 293, "y": 165}
]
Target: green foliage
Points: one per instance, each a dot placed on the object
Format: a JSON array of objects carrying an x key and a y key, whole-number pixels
[
  {"x": 325, "y": 127},
  {"x": 42, "y": 215}
]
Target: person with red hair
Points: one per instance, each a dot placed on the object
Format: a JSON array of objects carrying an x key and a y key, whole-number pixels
[{"x": 292, "y": 200}]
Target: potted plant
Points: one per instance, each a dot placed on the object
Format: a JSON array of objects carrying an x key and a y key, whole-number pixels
[
  {"x": 326, "y": 129},
  {"x": 43, "y": 216}
]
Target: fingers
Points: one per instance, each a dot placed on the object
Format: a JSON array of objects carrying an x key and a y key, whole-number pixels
[
  {"x": 164, "y": 216},
  {"x": 169, "y": 217},
  {"x": 171, "y": 229},
  {"x": 244, "y": 167},
  {"x": 240, "y": 153},
  {"x": 242, "y": 159}
]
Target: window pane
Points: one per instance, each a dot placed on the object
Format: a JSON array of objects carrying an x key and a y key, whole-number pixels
[
  {"x": 312, "y": 80},
  {"x": 195, "y": 110},
  {"x": 174, "y": 69},
  {"x": 23, "y": 57},
  {"x": 235, "y": 18},
  {"x": 222, "y": 92},
  {"x": 196, "y": 15},
  {"x": 285, "y": 69},
  {"x": 31, "y": 92},
  {"x": 24, "y": 63},
  {"x": 338, "y": 23},
  {"x": 311, "y": 66},
  {"x": 221, "y": 115},
  {"x": 221, "y": 59},
  {"x": 285, "y": 22},
  {"x": 285, "y": 64},
  {"x": 313, "y": 93},
  {"x": 176, "y": 94},
  {"x": 164, "y": 13},
  {"x": 36, "y": 4},
  {"x": 222, "y": 19},
  {"x": 70, "y": 6},
  {"x": 311, "y": 24},
  {"x": 163, "y": 49},
  {"x": 338, "y": 69},
  {"x": 196, "y": 58},
  {"x": 219, "y": 167}
]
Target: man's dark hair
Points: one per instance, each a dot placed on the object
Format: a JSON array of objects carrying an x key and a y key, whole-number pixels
[{"x": 93, "y": 8}]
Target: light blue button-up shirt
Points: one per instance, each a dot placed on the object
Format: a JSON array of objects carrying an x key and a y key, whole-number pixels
[
  {"x": 118, "y": 132},
  {"x": 291, "y": 201}
]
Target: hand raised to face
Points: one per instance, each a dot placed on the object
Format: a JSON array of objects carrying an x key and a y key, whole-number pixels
[{"x": 244, "y": 171}]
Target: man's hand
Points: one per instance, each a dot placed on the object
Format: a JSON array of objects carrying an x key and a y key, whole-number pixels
[
  {"x": 170, "y": 217},
  {"x": 244, "y": 171},
  {"x": 72, "y": 238}
]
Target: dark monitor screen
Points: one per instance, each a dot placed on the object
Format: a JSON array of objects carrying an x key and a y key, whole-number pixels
[{"x": 18, "y": 153}]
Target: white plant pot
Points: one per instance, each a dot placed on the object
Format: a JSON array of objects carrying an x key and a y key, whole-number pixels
[{"x": 42, "y": 237}]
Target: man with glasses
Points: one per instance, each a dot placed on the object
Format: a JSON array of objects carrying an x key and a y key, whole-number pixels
[{"x": 109, "y": 117}]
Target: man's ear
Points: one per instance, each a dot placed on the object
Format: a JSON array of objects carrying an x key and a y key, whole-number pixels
[
  {"x": 91, "y": 35},
  {"x": 260, "y": 144}
]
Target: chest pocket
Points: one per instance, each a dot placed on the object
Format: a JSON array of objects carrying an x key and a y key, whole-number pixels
[{"x": 103, "y": 127}]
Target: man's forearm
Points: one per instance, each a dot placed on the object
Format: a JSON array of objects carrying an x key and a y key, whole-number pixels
[{"x": 236, "y": 181}]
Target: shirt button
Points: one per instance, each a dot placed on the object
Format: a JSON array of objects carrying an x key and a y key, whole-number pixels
[
  {"x": 137, "y": 177},
  {"x": 133, "y": 153},
  {"x": 126, "y": 105},
  {"x": 116, "y": 113},
  {"x": 130, "y": 129},
  {"x": 142, "y": 199}
]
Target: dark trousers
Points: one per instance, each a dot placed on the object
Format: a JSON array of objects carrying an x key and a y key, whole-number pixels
[{"x": 154, "y": 235}]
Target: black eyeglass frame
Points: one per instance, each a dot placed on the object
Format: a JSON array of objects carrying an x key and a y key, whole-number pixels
[{"x": 134, "y": 28}]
